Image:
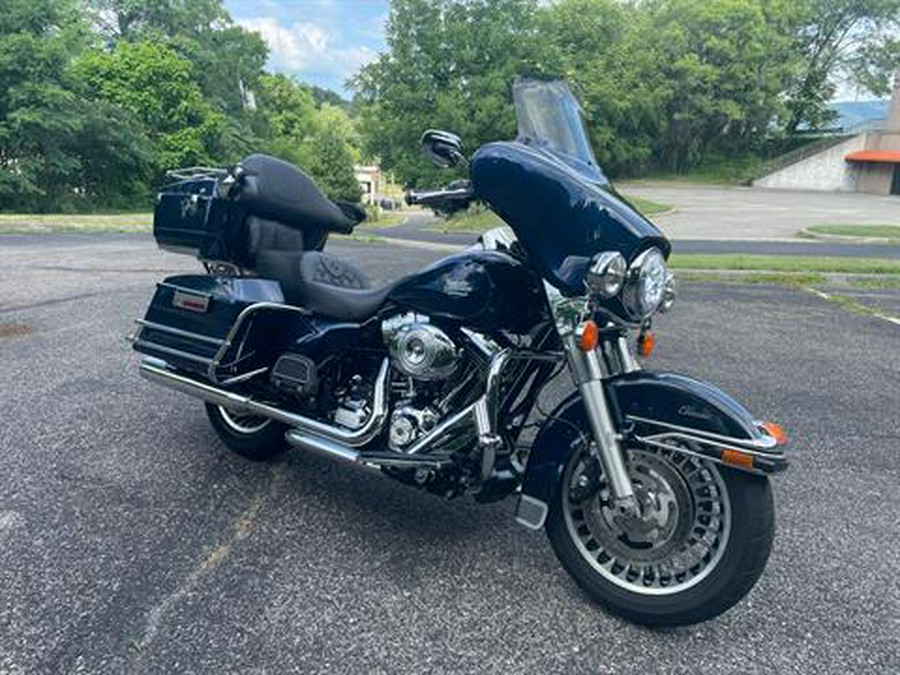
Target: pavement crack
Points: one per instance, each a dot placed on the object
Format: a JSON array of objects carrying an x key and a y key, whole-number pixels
[{"x": 240, "y": 528}]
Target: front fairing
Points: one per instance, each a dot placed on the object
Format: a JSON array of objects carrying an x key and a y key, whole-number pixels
[{"x": 561, "y": 214}]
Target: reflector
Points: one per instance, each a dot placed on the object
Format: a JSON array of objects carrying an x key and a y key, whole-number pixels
[
  {"x": 776, "y": 431},
  {"x": 646, "y": 343},
  {"x": 588, "y": 335},
  {"x": 737, "y": 458}
]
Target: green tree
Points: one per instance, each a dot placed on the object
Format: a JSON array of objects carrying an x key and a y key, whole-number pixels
[
  {"x": 332, "y": 156},
  {"x": 287, "y": 119},
  {"x": 35, "y": 124},
  {"x": 839, "y": 40},
  {"x": 616, "y": 75},
  {"x": 57, "y": 149},
  {"x": 226, "y": 57},
  {"x": 153, "y": 83},
  {"x": 448, "y": 65},
  {"x": 722, "y": 68}
]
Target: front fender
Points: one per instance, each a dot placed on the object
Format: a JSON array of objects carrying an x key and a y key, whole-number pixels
[{"x": 665, "y": 398}]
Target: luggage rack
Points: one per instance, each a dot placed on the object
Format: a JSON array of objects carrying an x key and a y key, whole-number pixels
[{"x": 197, "y": 172}]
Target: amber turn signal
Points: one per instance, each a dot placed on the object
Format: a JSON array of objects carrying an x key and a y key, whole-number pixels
[
  {"x": 588, "y": 336},
  {"x": 776, "y": 431},
  {"x": 737, "y": 458},
  {"x": 646, "y": 343}
]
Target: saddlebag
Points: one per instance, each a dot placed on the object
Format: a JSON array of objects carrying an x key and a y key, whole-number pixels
[{"x": 202, "y": 324}]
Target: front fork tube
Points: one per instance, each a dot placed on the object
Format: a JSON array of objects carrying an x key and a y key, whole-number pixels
[{"x": 587, "y": 372}]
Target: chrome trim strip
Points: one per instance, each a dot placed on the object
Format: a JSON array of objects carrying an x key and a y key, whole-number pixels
[
  {"x": 678, "y": 436},
  {"x": 177, "y": 331},
  {"x": 176, "y": 287},
  {"x": 764, "y": 445},
  {"x": 170, "y": 351},
  {"x": 243, "y": 377},
  {"x": 151, "y": 370},
  {"x": 654, "y": 442}
]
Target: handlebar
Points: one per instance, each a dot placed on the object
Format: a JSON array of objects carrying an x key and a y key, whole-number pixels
[{"x": 455, "y": 194}]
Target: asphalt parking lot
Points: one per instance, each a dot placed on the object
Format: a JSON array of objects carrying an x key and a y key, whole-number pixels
[{"x": 131, "y": 541}]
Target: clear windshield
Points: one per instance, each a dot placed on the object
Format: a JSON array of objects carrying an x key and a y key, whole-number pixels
[{"x": 549, "y": 116}]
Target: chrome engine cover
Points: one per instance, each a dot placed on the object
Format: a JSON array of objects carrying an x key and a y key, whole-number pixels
[
  {"x": 408, "y": 423},
  {"x": 418, "y": 349}
]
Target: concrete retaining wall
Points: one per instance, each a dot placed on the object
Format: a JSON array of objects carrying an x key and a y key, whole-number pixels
[{"x": 825, "y": 171}]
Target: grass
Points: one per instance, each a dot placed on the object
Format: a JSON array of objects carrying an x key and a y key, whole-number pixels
[
  {"x": 738, "y": 170},
  {"x": 52, "y": 223},
  {"x": 649, "y": 207},
  {"x": 65, "y": 223},
  {"x": 876, "y": 283},
  {"x": 479, "y": 219},
  {"x": 779, "y": 263},
  {"x": 776, "y": 278},
  {"x": 474, "y": 220},
  {"x": 880, "y": 231},
  {"x": 386, "y": 219}
]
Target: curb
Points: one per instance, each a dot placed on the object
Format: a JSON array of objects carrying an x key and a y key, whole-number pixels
[{"x": 848, "y": 239}]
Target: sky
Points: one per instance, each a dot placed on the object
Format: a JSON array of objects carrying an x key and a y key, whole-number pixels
[{"x": 322, "y": 42}]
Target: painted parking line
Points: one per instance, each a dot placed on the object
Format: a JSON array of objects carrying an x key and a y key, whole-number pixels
[{"x": 871, "y": 312}]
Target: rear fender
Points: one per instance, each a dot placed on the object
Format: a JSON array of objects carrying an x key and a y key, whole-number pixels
[{"x": 640, "y": 402}]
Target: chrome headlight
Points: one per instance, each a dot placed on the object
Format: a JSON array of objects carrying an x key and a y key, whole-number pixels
[
  {"x": 669, "y": 295},
  {"x": 606, "y": 274},
  {"x": 645, "y": 284}
]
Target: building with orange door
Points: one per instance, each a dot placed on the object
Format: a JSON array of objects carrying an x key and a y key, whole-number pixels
[{"x": 868, "y": 162}]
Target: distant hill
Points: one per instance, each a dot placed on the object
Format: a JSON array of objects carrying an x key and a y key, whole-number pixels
[{"x": 858, "y": 116}]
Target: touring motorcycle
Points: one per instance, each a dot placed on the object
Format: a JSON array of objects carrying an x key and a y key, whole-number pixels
[{"x": 652, "y": 487}]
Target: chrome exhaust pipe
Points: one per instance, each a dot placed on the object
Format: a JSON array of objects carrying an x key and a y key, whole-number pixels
[
  {"x": 321, "y": 446},
  {"x": 156, "y": 370}
]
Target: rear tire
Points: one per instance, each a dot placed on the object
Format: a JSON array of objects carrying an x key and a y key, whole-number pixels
[
  {"x": 624, "y": 573},
  {"x": 253, "y": 437}
]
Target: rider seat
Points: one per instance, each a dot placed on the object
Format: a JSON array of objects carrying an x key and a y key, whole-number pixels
[{"x": 323, "y": 283}]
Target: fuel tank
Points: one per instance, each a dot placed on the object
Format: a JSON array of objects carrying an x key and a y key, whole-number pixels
[{"x": 483, "y": 290}]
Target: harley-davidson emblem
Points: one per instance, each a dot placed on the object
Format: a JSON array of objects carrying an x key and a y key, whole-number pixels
[
  {"x": 457, "y": 287},
  {"x": 189, "y": 301},
  {"x": 691, "y": 411}
]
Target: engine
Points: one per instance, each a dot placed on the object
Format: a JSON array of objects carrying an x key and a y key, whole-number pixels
[
  {"x": 418, "y": 349},
  {"x": 432, "y": 377}
]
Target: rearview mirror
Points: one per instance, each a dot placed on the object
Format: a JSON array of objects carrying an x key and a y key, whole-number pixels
[{"x": 442, "y": 147}]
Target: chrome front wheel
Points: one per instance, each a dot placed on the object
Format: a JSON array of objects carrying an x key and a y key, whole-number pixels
[{"x": 680, "y": 560}]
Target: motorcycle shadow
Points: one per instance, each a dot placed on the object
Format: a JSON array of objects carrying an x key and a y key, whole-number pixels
[{"x": 356, "y": 494}]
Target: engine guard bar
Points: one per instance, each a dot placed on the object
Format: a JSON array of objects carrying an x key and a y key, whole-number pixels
[{"x": 760, "y": 455}]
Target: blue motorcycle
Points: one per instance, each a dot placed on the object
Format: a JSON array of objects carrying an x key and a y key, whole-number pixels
[{"x": 652, "y": 487}]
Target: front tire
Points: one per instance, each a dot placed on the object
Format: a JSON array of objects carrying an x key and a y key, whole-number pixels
[
  {"x": 702, "y": 543},
  {"x": 251, "y": 436}
]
